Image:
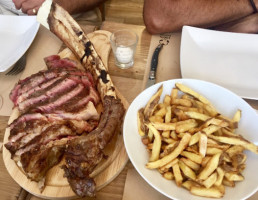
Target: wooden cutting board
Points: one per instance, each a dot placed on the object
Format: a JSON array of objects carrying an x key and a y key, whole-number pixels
[{"x": 57, "y": 186}]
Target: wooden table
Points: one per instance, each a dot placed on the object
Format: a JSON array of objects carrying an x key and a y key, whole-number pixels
[{"x": 130, "y": 83}]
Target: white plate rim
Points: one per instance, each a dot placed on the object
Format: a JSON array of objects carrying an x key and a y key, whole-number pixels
[{"x": 35, "y": 27}]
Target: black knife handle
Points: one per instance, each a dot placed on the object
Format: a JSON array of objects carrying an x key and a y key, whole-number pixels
[{"x": 154, "y": 61}]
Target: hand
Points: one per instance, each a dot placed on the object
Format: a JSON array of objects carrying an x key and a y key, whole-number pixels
[{"x": 29, "y": 7}]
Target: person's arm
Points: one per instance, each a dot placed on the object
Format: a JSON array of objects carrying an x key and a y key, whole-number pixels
[
  {"x": 72, "y": 6},
  {"x": 77, "y": 6},
  {"x": 247, "y": 24},
  {"x": 162, "y": 16}
]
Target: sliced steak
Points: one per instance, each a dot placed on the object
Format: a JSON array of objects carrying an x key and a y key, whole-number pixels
[
  {"x": 55, "y": 61},
  {"x": 31, "y": 83},
  {"x": 25, "y": 95},
  {"x": 62, "y": 86}
]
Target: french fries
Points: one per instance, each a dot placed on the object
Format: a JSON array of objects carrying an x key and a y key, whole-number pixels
[{"x": 190, "y": 142}]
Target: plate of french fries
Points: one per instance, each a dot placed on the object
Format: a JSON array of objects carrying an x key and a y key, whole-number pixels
[{"x": 192, "y": 139}]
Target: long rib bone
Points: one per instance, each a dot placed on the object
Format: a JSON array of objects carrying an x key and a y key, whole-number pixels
[{"x": 59, "y": 21}]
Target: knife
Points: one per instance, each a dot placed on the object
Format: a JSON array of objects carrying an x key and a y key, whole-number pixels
[{"x": 154, "y": 64}]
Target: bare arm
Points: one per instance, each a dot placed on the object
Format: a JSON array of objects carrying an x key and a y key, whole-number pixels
[
  {"x": 72, "y": 6},
  {"x": 162, "y": 16},
  {"x": 77, "y": 6}
]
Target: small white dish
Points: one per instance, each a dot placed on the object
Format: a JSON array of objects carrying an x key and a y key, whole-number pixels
[
  {"x": 227, "y": 59},
  {"x": 16, "y": 36},
  {"x": 225, "y": 102}
]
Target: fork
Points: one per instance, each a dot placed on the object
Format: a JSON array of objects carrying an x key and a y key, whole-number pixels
[{"x": 18, "y": 66}]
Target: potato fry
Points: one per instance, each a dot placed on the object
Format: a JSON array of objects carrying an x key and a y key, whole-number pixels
[
  {"x": 231, "y": 176},
  {"x": 195, "y": 138},
  {"x": 173, "y": 135},
  {"x": 212, "y": 192},
  {"x": 190, "y": 164},
  {"x": 185, "y": 109},
  {"x": 197, "y": 115},
  {"x": 161, "y": 162},
  {"x": 168, "y": 115},
  {"x": 188, "y": 184},
  {"x": 156, "y": 144},
  {"x": 169, "y": 165},
  {"x": 174, "y": 93},
  {"x": 235, "y": 150},
  {"x": 238, "y": 159},
  {"x": 165, "y": 134},
  {"x": 168, "y": 140},
  {"x": 220, "y": 177},
  {"x": 140, "y": 122},
  {"x": 149, "y": 108},
  {"x": 182, "y": 102},
  {"x": 227, "y": 132},
  {"x": 168, "y": 175},
  {"x": 202, "y": 145},
  {"x": 236, "y": 141},
  {"x": 187, "y": 90},
  {"x": 188, "y": 172},
  {"x": 177, "y": 174},
  {"x": 156, "y": 118},
  {"x": 164, "y": 126},
  {"x": 180, "y": 114},
  {"x": 228, "y": 183},
  {"x": 181, "y": 128},
  {"x": 150, "y": 135},
  {"x": 213, "y": 151},
  {"x": 210, "y": 167},
  {"x": 205, "y": 161},
  {"x": 210, "y": 180},
  {"x": 161, "y": 112},
  {"x": 167, "y": 100},
  {"x": 237, "y": 116},
  {"x": 211, "y": 129},
  {"x": 192, "y": 156}
]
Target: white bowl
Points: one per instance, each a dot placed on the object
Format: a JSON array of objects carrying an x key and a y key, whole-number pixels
[
  {"x": 16, "y": 36},
  {"x": 226, "y": 103}
]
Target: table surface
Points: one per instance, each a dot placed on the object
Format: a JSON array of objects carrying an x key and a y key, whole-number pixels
[{"x": 129, "y": 82}]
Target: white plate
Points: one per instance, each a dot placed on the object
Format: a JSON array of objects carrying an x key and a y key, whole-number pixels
[
  {"x": 16, "y": 35},
  {"x": 227, "y": 59},
  {"x": 227, "y": 103}
]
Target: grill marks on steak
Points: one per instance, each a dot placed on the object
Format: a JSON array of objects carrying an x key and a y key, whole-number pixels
[
  {"x": 47, "y": 95},
  {"x": 85, "y": 152},
  {"x": 56, "y": 105}
]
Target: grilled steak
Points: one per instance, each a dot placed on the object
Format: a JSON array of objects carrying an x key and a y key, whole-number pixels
[{"x": 56, "y": 105}]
